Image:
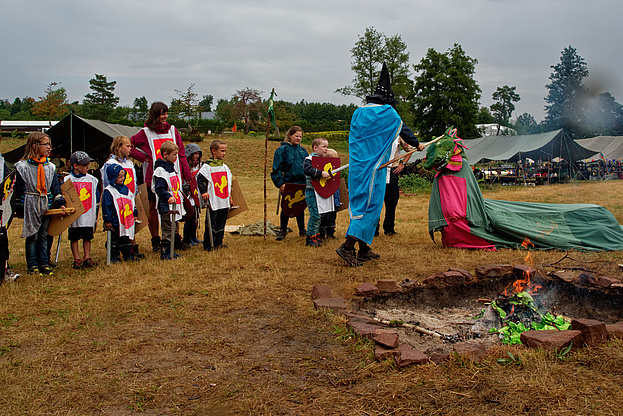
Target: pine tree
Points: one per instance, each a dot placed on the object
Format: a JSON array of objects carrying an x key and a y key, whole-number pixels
[
  {"x": 566, "y": 89},
  {"x": 100, "y": 104}
]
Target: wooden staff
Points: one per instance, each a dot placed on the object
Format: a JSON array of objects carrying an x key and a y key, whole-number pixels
[
  {"x": 278, "y": 202},
  {"x": 402, "y": 156}
]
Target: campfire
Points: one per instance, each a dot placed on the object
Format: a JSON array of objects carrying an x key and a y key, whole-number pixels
[{"x": 447, "y": 310}]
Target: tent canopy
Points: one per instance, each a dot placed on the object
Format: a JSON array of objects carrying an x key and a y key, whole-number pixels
[
  {"x": 543, "y": 146},
  {"x": 611, "y": 147},
  {"x": 75, "y": 133}
]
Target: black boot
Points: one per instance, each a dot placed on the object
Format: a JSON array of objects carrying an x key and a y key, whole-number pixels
[
  {"x": 165, "y": 251},
  {"x": 155, "y": 243},
  {"x": 137, "y": 254},
  {"x": 179, "y": 244}
]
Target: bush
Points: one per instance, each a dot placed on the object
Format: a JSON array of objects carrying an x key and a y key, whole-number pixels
[{"x": 413, "y": 183}]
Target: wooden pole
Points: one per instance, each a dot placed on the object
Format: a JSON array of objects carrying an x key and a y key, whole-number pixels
[
  {"x": 265, "y": 169},
  {"x": 402, "y": 156}
]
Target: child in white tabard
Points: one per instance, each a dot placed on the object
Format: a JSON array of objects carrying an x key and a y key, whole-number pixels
[{"x": 83, "y": 227}]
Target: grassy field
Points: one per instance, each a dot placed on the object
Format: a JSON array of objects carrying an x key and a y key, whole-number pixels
[{"x": 235, "y": 332}]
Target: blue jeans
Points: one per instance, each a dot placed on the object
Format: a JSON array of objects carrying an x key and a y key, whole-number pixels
[
  {"x": 313, "y": 224},
  {"x": 37, "y": 245}
]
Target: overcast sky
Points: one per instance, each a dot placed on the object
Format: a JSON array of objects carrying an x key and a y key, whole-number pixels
[{"x": 302, "y": 49}]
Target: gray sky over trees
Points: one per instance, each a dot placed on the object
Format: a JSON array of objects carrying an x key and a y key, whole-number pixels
[{"x": 302, "y": 49}]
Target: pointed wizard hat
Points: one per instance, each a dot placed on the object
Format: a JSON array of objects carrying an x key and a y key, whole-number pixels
[{"x": 383, "y": 93}]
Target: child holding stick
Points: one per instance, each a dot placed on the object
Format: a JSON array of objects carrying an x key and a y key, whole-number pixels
[
  {"x": 214, "y": 182},
  {"x": 166, "y": 185},
  {"x": 319, "y": 148},
  {"x": 83, "y": 227}
]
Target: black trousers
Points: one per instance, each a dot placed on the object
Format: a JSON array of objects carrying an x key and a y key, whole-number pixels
[
  {"x": 218, "y": 219},
  {"x": 392, "y": 194},
  {"x": 300, "y": 221}
]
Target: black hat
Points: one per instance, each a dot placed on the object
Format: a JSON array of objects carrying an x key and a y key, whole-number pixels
[
  {"x": 383, "y": 93},
  {"x": 81, "y": 158}
]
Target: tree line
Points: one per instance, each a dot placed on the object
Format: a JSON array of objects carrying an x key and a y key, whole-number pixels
[
  {"x": 440, "y": 91},
  {"x": 246, "y": 109}
]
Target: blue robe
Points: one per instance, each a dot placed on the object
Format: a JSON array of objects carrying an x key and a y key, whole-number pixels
[{"x": 373, "y": 129}]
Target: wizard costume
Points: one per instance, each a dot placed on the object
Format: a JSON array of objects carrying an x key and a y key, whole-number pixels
[{"x": 373, "y": 129}]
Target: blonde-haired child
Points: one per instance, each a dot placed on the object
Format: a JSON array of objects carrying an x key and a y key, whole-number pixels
[{"x": 119, "y": 155}]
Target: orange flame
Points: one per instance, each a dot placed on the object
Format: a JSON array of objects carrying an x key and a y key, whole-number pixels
[{"x": 524, "y": 284}]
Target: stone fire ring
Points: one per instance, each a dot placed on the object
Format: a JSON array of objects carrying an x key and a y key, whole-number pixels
[{"x": 596, "y": 298}]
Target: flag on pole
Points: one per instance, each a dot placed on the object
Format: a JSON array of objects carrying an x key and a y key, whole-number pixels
[{"x": 271, "y": 110}]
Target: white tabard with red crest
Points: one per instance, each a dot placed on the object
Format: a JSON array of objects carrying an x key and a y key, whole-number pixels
[
  {"x": 124, "y": 207},
  {"x": 86, "y": 187},
  {"x": 128, "y": 166},
  {"x": 175, "y": 187},
  {"x": 219, "y": 185},
  {"x": 155, "y": 140}
]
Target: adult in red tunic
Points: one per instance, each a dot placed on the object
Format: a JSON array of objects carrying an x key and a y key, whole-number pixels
[{"x": 146, "y": 148}]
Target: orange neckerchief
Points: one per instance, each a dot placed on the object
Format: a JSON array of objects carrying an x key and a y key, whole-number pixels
[{"x": 41, "y": 175}]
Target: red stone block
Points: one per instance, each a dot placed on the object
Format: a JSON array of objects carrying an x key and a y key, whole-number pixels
[
  {"x": 594, "y": 332},
  {"x": 615, "y": 330},
  {"x": 367, "y": 289},
  {"x": 363, "y": 326},
  {"x": 337, "y": 305},
  {"x": 472, "y": 352},
  {"x": 606, "y": 281},
  {"x": 439, "y": 358},
  {"x": 552, "y": 339},
  {"x": 493, "y": 270},
  {"x": 409, "y": 356},
  {"x": 321, "y": 292},
  {"x": 565, "y": 276},
  {"x": 382, "y": 353},
  {"x": 388, "y": 285},
  {"x": 468, "y": 275},
  {"x": 385, "y": 337},
  {"x": 522, "y": 270},
  {"x": 454, "y": 278},
  {"x": 434, "y": 279}
]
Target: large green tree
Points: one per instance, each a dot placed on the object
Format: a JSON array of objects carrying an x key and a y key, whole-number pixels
[
  {"x": 369, "y": 53},
  {"x": 504, "y": 107},
  {"x": 526, "y": 124},
  {"x": 565, "y": 92},
  {"x": 100, "y": 103},
  {"x": 53, "y": 105},
  {"x": 446, "y": 93}
]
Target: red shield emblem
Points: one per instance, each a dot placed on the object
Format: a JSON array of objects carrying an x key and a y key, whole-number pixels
[
  {"x": 85, "y": 191},
  {"x": 175, "y": 189},
  {"x": 126, "y": 212},
  {"x": 326, "y": 187},
  {"x": 293, "y": 199},
  {"x": 194, "y": 191},
  {"x": 219, "y": 179},
  {"x": 158, "y": 144},
  {"x": 130, "y": 180}
]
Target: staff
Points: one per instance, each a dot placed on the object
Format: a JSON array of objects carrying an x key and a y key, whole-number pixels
[{"x": 402, "y": 156}]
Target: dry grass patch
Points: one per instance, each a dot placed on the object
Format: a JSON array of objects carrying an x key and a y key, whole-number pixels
[{"x": 234, "y": 331}]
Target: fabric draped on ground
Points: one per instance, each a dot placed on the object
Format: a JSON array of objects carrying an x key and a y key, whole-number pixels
[{"x": 466, "y": 220}]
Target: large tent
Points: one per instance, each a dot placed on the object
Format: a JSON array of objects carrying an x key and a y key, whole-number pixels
[
  {"x": 543, "y": 147},
  {"x": 603, "y": 147},
  {"x": 76, "y": 133}
]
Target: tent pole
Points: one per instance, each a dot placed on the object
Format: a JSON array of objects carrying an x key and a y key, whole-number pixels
[{"x": 71, "y": 134}]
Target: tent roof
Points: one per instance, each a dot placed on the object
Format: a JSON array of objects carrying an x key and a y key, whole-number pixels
[
  {"x": 541, "y": 146},
  {"x": 611, "y": 147},
  {"x": 76, "y": 133}
]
